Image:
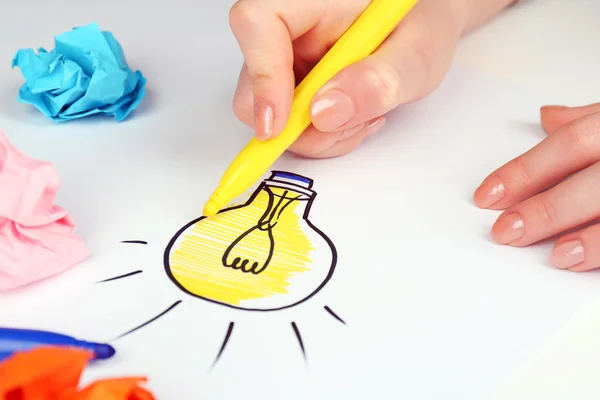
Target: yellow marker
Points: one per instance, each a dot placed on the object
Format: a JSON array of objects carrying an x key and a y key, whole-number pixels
[{"x": 362, "y": 38}]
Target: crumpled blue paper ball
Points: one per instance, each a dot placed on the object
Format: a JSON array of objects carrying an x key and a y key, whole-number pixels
[{"x": 85, "y": 74}]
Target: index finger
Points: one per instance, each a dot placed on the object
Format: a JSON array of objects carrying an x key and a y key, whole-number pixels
[{"x": 264, "y": 30}]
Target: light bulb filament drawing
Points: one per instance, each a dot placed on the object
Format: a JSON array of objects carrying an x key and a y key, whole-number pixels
[
  {"x": 234, "y": 257},
  {"x": 263, "y": 255}
]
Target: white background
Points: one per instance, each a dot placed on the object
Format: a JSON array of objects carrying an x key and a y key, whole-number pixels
[{"x": 434, "y": 308}]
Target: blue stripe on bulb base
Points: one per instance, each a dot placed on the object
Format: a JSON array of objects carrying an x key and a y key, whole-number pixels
[{"x": 295, "y": 177}]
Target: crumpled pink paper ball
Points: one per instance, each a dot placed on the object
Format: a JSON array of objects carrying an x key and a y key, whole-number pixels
[{"x": 36, "y": 236}]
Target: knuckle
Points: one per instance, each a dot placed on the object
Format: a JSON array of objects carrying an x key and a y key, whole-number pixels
[
  {"x": 317, "y": 148},
  {"x": 308, "y": 152},
  {"x": 547, "y": 211},
  {"x": 422, "y": 54},
  {"x": 517, "y": 172},
  {"x": 585, "y": 133},
  {"x": 590, "y": 238},
  {"x": 413, "y": 66},
  {"x": 242, "y": 108},
  {"x": 385, "y": 81},
  {"x": 264, "y": 77},
  {"x": 242, "y": 14},
  {"x": 238, "y": 108},
  {"x": 423, "y": 59},
  {"x": 308, "y": 148},
  {"x": 315, "y": 144}
]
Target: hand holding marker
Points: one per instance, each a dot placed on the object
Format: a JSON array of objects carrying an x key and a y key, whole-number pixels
[{"x": 367, "y": 33}]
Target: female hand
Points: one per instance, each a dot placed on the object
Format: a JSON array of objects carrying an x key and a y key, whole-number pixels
[
  {"x": 553, "y": 188},
  {"x": 282, "y": 40}
]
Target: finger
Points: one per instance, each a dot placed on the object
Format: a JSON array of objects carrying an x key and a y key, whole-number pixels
[
  {"x": 340, "y": 148},
  {"x": 406, "y": 67},
  {"x": 568, "y": 205},
  {"x": 578, "y": 251},
  {"x": 316, "y": 144},
  {"x": 572, "y": 148},
  {"x": 336, "y": 19},
  {"x": 313, "y": 141},
  {"x": 308, "y": 50},
  {"x": 554, "y": 117},
  {"x": 264, "y": 30},
  {"x": 243, "y": 98}
]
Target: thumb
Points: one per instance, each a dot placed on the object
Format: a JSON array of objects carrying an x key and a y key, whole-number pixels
[{"x": 406, "y": 67}]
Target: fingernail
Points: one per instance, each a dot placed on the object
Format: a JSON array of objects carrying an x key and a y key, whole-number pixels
[
  {"x": 568, "y": 254},
  {"x": 263, "y": 120},
  {"x": 508, "y": 228},
  {"x": 555, "y": 107},
  {"x": 546, "y": 109},
  {"x": 331, "y": 110},
  {"x": 489, "y": 193},
  {"x": 375, "y": 126}
]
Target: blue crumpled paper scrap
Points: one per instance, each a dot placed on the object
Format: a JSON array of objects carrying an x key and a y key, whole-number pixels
[{"x": 85, "y": 74}]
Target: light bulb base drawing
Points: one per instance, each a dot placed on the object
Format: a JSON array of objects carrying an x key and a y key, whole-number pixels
[{"x": 263, "y": 255}]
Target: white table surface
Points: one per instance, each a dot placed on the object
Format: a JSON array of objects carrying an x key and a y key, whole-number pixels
[{"x": 549, "y": 47}]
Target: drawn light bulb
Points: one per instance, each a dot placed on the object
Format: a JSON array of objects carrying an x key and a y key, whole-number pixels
[{"x": 262, "y": 255}]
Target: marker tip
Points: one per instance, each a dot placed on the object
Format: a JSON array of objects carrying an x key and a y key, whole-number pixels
[
  {"x": 104, "y": 351},
  {"x": 211, "y": 208}
]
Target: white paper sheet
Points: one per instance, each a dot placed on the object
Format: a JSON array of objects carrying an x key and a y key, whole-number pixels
[
  {"x": 565, "y": 368},
  {"x": 433, "y": 308}
]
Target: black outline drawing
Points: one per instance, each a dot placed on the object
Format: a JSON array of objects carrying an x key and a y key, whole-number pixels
[
  {"x": 114, "y": 278},
  {"x": 225, "y": 341},
  {"x": 261, "y": 225},
  {"x": 299, "y": 337},
  {"x": 334, "y": 315},
  {"x": 272, "y": 179},
  {"x": 172, "y": 306},
  {"x": 266, "y": 223}
]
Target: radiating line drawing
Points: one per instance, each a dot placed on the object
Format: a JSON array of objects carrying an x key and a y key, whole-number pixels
[
  {"x": 299, "y": 337},
  {"x": 263, "y": 255},
  {"x": 114, "y": 278},
  {"x": 225, "y": 341},
  {"x": 172, "y": 306},
  {"x": 334, "y": 315}
]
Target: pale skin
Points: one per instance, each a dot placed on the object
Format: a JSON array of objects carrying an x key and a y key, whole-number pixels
[{"x": 545, "y": 192}]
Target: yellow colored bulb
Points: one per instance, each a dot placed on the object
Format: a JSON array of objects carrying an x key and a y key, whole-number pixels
[{"x": 263, "y": 255}]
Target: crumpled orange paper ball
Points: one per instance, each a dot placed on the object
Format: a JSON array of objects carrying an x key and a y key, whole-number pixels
[
  {"x": 115, "y": 389},
  {"x": 48, "y": 373},
  {"x": 53, "y": 373}
]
